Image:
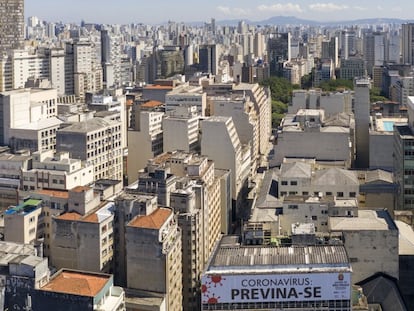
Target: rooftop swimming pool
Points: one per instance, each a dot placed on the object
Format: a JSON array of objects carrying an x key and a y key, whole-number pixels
[{"x": 388, "y": 126}]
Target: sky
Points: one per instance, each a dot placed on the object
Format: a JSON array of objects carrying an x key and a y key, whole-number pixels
[{"x": 159, "y": 11}]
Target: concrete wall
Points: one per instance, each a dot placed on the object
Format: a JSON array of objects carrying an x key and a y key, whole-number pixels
[
  {"x": 372, "y": 251},
  {"x": 319, "y": 145},
  {"x": 381, "y": 151}
]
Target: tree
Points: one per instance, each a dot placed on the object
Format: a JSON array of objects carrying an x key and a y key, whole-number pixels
[{"x": 281, "y": 90}]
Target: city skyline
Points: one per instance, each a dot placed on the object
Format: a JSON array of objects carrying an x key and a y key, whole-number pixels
[{"x": 127, "y": 11}]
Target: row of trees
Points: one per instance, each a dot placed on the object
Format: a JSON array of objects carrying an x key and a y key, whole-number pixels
[{"x": 281, "y": 90}]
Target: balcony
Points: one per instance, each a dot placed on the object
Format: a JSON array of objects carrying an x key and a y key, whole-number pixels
[{"x": 114, "y": 301}]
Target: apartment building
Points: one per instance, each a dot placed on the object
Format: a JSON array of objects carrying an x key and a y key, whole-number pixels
[
  {"x": 221, "y": 144},
  {"x": 98, "y": 142},
  {"x": 154, "y": 241},
  {"x": 10, "y": 177},
  {"x": 29, "y": 109},
  {"x": 82, "y": 238},
  {"x": 23, "y": 223},
  {"x": 128, "y": 205},
  {"x": 145, "y": 140},
  {"x": 57, "y": 171},
  {"x": 181, "y": 129}
]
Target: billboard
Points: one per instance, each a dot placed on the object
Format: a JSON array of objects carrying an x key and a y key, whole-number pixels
[{"x": 275, "y": 287}]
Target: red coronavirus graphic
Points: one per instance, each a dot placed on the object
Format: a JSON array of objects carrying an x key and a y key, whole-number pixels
[
  {"x": 216, "y": 280},
  {"x": 213, "y": 299},
  {"x": 204, "y": 288}
]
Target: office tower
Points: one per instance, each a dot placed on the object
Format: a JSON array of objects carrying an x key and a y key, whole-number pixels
[
  {"x": 351, "y": 68},
  {"x": 374, "y": 50},
  {"x": 111, "y": 57},
  {"x": 362, "y": 119},
  {"x": 278, "y": 52},
  {"x": 407, "y": 40},
  {"x": 11, "y": 25},
  {"x": 394, "y": 47},
  {"x": 85, "y": 69},
  {"x": 168, "y": 62},
  {"x": 208, "y": 58},
  {"x": 330, "y": 50},
  {"x": 154, "y": 264}
]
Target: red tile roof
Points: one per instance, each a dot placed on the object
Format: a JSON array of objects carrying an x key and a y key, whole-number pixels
[
  {"x": 151, "y": 104},
  {"x": 70, "y": 216},
  {"x": 155, "y": 220},
  {"x": 54, "y": 193},
  {"x": 77, "y": 283}
]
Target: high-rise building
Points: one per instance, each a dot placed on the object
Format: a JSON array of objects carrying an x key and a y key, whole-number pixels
[
  {"x": 407, "y": 47},
  {"x": 208, "y": 58},
  {"x": 278, "y": 51},
  {"x": 362, "y": 109},
  {"x": 11, "y": 24},
  {"x": 374, "y": 50}
]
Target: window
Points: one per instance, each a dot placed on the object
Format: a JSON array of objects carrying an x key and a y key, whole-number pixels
[
  {"x": 293, "y": 183},
  {"x": 293, "y": 206},
  {"x": 314, "y": 217},
  {"x": 352, "y": 194},
  {"x": 340, "y": 194},
  {"x": 328, "y": 193},
  {"x": 284, "y": 183},
  {"x": 305, "y": 193}
]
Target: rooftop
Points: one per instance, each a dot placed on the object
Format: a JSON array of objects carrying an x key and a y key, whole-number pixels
[
  {"x": 152, "y": 104},
  {"x": 77, "y": 283},
  {"x": 90, "y": 125},
  {"x": 366, "y": 220},
  {"x": 267, "y": 259},
  {"x": 62, "y": 194},
  {"x": 158, "y": 87},
  {"x": 406, "y": 238},
  {"x": 25, "y": 208},
  {"x": 155, "y": 220}
]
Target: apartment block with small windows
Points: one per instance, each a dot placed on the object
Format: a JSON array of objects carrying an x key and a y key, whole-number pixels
[
  {"x": 98, "y": 142},
  {"x": 24, "y": 223},
  {"x": 154, "y": 262},
  {"x": 82, "y": 238}
]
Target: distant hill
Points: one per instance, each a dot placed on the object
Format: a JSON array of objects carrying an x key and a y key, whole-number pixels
[{"x": 291, "y": 20}]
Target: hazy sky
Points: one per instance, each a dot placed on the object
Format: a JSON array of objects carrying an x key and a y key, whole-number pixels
[{"x": 157, "y": 11}]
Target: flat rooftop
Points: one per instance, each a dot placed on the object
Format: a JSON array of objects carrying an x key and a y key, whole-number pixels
[
  {"x": 25, "y": 208},
  {"x": 266, "y": 259},
  {"x": 77, "y": 283},
  {"x": 387, "y": 124},
  {"x": 366, "y": 220}
]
